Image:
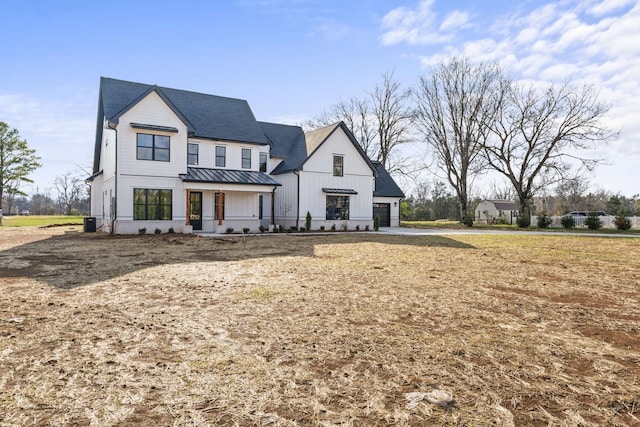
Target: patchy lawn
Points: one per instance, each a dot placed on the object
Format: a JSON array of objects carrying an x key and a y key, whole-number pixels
[{"x": 289, "y": 330}]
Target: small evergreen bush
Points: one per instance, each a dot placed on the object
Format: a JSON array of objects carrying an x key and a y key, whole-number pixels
[
  {"x": 366, "y": 227},
  {"x": 467, "y": 220},
  {"x": 333, "y": 227},
  {"x": 229, "y": 230},
  {"x": 358, "y": 227},
  {"x": 246, "y": 230},
  {"x": 322, "y": 228},
  {"x": 142, "y": 230},
  {"x": 567, "y": 221},
  {"x": 157, "y": 231},
  {"x": 171, "y": 231},
  {"x": 376, "y": 222},
  {"x": 544, "y": 220},
  {"x": 307, "y": 221},
  {"x": 523, "y": 221},
  {"x": 293, "y": 228},
  {"x": 593, "y": 222},
  {"x": 262, "y": 229}
]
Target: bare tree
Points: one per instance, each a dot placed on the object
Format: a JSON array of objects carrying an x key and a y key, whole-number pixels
[
  {"x": 537, "y": 135},
  {"x": 356, "y": 114},
  {"x": 70, "y": 190},
  {"x": 380, "y": 121},
  {"x": 454, "y": 109},
  {"x": 393, "y": 119}
]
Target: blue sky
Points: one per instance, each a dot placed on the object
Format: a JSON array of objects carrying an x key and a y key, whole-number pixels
[{"x": 293, "y": 58}]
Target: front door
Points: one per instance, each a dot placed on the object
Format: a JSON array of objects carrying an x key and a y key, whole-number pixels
[
  {"x": 384, "y": 211},
  {"x": 195, "y": 204}
]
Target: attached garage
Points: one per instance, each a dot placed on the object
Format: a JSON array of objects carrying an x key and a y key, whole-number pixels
[
  {"x": 386, "y": 198},
  {"x": 384, "y": 211}
]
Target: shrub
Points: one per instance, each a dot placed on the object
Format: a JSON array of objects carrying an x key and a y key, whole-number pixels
[
  {"x": 523, "y": 221},
  {"x": 567, "y": 221},
  {"x": 345, "y": 226},
  {"x": 358, "y": 227},
  {"x": 262, "y": 229},
  {"x": 171, "y": 230},
  {"x": 157, "y": 231},
  {"x": 293, "y": 228},
  {"x": 142, "y": 230},
  {"x": 622, "y": 223},
  {"x": 376, "y": 222},
  {"x": 333, "y": 227},
  {"x": 366, "y": 227},
  {"x": 467, "y": 220},
  {"x": 303, "y": 228},
  {"x": 307, "y": 221},
  {"x": 280, "y": 228},
  {"x": 276, "y": 229},
  {"x": 246, "y": 230},
  {"x": 229, "y": 230},
  {"x": 593, "y": 222},
  {"x": 322, "y": 228},
  {"x": 544, "y": 220}
]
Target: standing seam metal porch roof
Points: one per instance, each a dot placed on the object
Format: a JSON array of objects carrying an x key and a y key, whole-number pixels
[{"x": 227, "y": 176}]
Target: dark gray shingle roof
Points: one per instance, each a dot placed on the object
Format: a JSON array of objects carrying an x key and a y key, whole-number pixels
[
  {"x": 504, "y": 205},
  {"x": 385, "y": 185},
  {"x": 206, "y": 116},
  {"x": 287, "y": 143},
  {"x": 226, "y": 176}
]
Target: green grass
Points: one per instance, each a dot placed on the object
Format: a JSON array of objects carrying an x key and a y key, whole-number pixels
[
  {"x": 456, "y": 224},
  {"x": 40, "y": 220}
]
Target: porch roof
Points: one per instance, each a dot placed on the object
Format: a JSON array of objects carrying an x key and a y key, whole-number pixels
[
  {"x": 226, "y": 176},
  {"x": 339, "y": 191}
]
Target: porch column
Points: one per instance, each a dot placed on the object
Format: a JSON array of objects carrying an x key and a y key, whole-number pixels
[
  {"x": 220, "y": 207},
  {"x": 188, "y": 222}
]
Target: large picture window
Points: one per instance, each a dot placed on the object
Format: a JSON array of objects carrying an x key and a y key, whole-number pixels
[
  {"x": 152, "y": 147},
  {"x": 246, "y": 158},
  {"x": 150, "y": 204},
  {"x": 338, "y": 166},
  {"x": 337, "y": 207},
  {"x": 192, "y": 154},
  {"x": 221, "y": 156}
]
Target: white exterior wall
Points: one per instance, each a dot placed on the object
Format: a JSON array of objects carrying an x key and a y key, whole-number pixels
[
  {"x": 394, "y": 209},
  {"x": 233, "y": 161},
  {"x": 318, "y": 174},
  {"x": 286, "y": 200},
  {"x": 103, "y": 185}
]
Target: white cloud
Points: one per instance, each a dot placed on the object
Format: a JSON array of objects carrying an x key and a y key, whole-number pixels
[
  {"x": 415, "y": 26},
  {"x": 455, "y": 20}
]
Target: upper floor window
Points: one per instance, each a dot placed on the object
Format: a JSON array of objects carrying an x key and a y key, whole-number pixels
[
  {"x": 338, "y": 166},
  {"x": 152, "y": 147},
  {"x": 263, "y": 162},
  {"x": 246, "y": 158},
  {"x": 221, "y": 156},
  {"x": 192, "y": 154}
]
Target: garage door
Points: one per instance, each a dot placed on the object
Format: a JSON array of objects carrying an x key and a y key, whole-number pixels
[{"x": 384, "y": 211}]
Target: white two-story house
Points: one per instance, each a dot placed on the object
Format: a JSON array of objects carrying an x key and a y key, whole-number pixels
[{"x": 173, "y": 159}]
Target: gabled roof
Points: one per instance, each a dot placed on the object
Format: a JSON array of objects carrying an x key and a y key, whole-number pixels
[
  {"x": 227, "y": 176},
  {"x": 296, "y": 147},
  {"x": 504, "y": 205},
  {"x": 206, "y": 116},
  {"x": 385, "y": 185}
]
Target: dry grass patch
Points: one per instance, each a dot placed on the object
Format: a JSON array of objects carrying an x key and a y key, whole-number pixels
[{"x": 317, "y": 330}]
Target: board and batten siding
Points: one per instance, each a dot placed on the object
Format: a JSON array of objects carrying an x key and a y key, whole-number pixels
[
  {"x": 286, "y": 200},
  {"x": 233, "y": 161},
  {"x": 151, "y": 110}
]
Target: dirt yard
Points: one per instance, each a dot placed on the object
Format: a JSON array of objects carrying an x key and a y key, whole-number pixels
[{"x": 316, "y": 330}]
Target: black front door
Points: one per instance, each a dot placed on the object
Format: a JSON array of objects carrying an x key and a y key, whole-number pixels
[
  {"x": 196, "y": 210},
  {"x": 384, "y": 211}
]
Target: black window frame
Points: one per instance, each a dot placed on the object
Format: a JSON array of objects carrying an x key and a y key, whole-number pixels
[
  {"x": 338, "y": 166},
  {"x": 148, "y": 206},
  {"x": 263, "y": 162},
  {"x": 337, "y": 208},
  {"x": 154, "y": 148},
  {"x": 221, "y": 156},
  {"x": 191, "y": 155},
  {"x": 246, "y": 158}
]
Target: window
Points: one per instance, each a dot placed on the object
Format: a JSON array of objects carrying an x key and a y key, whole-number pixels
[
  {"x": 215, "y": 207},
  {"x": 263, "y": 162},
  {"x": 221, "y": 156},
  {"x": 246, "y": 158},
  {"x": 337, "y": 207},
  {"x": 152, "y": 147},
  {"x": 192, "y": 154},
  {"x": 152, "y": 204},
  {"x": 338, "y": 165}
]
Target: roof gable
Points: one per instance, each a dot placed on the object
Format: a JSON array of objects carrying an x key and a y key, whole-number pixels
[{"x": 385, "y": 184}]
